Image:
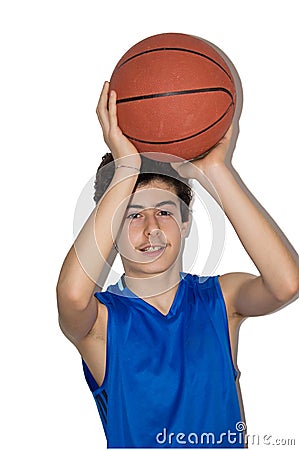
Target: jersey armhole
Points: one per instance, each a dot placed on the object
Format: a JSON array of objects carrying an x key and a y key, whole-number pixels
[
  {"x": 92, "y": 384},
  {"x": 225, "y": 317}
]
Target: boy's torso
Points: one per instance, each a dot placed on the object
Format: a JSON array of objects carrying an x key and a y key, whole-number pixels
[
  {"x": 194, "y": 335},
  {"x": 93, "y": 348}
]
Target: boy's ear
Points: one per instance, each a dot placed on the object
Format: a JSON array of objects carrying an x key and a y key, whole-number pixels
[{"x": 185, "y": 228}]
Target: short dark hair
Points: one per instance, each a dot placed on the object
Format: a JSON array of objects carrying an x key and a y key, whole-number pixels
[{"x": 151, "y": 170}]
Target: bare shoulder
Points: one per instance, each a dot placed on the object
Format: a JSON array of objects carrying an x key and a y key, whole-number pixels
[
  {"x": 248, "y": 295},
  {"x": 231, "y": 284}
]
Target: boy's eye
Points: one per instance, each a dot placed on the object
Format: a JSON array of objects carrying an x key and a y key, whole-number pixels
[
  {"x": 133, "y": 216},
  {"x": 164, "y": 213}
]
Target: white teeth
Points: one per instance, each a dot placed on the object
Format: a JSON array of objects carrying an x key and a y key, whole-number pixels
[{"x": 152, "y": 249}]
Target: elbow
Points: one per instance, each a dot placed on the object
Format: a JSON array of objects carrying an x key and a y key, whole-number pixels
[
  {"x": 69, "y": 297},
  {"x": 294, "y": 289},
  {"x": 290, "y": 290}
]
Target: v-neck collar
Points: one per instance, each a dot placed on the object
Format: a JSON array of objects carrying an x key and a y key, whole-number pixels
[{"x": 130, "y": 296}]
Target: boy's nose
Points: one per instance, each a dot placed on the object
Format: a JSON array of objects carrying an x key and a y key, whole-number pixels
[{"x": 152, "y": 226}]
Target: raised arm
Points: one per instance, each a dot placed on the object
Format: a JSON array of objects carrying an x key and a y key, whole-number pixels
[
  {"x": 90, "y": 253},
  {"x": 278, "y": 283}
]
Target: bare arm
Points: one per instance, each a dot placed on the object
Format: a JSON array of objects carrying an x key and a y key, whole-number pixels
[
  {"x": 89, "y": 255},
  {"x": 278, "y": 282}
]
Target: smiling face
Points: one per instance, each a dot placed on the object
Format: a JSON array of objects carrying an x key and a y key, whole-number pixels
[{"x": 151, "y": 239}]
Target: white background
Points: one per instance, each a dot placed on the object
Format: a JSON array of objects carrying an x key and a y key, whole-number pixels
[{"x": 55, "y": 56}]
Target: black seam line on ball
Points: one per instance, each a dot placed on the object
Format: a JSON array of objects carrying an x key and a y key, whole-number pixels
[
  {"x": 182, "y": 139},
  {"x": 169, "y": 94},
  {"x": 175, "y": 49}
]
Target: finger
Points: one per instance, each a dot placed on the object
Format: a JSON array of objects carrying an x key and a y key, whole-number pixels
[
  {"x": 180, "y": 163},
  {"x": 180, "y": 168},
  {"x": 103, "y": 97},
  {"x": 175, "y": 165},
  {"x": 229, "y": 133},
  {"x": 102, "y": 106},
  {"x": 112, "y": 110}
]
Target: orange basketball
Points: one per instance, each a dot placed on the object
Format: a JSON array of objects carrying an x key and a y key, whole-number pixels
[{"x": 175, "y": 95}]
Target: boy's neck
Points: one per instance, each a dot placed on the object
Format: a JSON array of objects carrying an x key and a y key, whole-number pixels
[{"x": 156, "y": 288}]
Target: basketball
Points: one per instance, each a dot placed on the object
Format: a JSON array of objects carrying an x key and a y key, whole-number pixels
[{"x": 175, "y": 96}]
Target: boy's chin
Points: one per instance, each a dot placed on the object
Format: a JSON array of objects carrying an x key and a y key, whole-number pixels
[{"x": 150, "y": 269}]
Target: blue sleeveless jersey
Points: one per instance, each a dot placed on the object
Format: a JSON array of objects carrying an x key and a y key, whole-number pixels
[{"x": 170, "y": 379}]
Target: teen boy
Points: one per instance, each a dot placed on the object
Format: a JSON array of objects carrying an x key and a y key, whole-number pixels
[{"x": 158, "y": 347}]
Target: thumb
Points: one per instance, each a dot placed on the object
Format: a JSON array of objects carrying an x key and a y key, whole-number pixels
[
  {"x": 175, "y": 165},
  {"x": 182, "y": 168}
]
